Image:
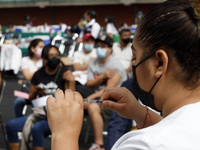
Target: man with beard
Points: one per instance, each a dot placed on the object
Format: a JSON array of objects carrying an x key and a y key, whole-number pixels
[{"x": 122, "y": 50}]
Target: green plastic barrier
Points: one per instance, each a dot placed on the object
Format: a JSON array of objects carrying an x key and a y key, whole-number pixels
[
  {"x": 116, "y": 38},
  {"x": 31, "y": 34},
  {"x": 4, "y": 28}
]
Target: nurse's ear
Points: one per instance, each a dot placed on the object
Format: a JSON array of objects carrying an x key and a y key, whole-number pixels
[{"x": 162, "y": 61}]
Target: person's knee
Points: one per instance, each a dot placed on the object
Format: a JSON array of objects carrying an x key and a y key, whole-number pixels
[
  {"x": 93, "y": 108},
  {"x": 37, "y": 134},
  {"x": 40, "y": 129},
  {"x": 19, "y": 101},
  {"x": 9, "y": 125},
  {"x": 10, "y": 130},
  {"x": 37, "y": 129}
]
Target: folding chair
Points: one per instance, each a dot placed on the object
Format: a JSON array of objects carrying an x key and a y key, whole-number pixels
[{"x": 2, "y": 88}]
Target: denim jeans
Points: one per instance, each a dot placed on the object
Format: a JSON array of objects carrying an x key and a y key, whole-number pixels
[
  {"x": 117, "y": 127},
  {"x": 19, "y": 104},
  {"x": 39, "y": 131}
]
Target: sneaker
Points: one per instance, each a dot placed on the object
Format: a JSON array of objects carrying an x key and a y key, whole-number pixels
[
  {"x": 2, "y": 87},
  {"x": 96, "y": 146}
]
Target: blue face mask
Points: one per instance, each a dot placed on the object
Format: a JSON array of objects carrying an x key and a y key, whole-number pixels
[
  {"x": 88, "y": 47},
  {"x": 101, "y": 52}
]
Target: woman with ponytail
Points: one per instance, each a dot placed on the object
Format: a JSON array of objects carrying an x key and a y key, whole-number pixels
[{"x": 166, "y": 69}]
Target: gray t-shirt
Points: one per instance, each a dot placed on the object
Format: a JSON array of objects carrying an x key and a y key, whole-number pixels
[{"x": 95, "y": 69}]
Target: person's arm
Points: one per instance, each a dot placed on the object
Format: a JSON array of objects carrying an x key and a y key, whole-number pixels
[
  {"x": 34, "y": 91},
  {"x": 69, "y": 80},
  {"x": 65, "y": 118},
  {"x": 112, "y": 82},
  {"x": 122, "y": 101},
  {"x": 108, "y": 73},
  {"x": 78, "y": 66},
  {"x": 27, "y": 74}
]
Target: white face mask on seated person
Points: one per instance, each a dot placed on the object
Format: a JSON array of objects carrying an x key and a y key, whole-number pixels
[
  {"x": 88, "y": 47},
  {"x": 101, "y": 52}
]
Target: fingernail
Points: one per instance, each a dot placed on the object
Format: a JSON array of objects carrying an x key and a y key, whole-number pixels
[{"x": 106, "y": 104}]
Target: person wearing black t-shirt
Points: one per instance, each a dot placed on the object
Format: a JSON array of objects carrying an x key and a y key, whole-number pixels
[{"x": 44, "y": 82}]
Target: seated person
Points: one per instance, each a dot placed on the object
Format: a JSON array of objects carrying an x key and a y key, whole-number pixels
[
  {"x": 118, "y": 125},
  {"x": 122, "y": 50},
  {"x": 44, "y": 82},
  {"x": 82, "y": 58},
  {"x": 30, "y": 65},
  {"x": 105, "y": 71}
]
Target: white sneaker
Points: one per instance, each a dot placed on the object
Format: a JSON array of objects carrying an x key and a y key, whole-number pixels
[{"x": 96, "y": 146}]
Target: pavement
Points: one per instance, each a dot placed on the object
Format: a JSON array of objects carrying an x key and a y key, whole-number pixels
[{"x": 7, "y": 112}]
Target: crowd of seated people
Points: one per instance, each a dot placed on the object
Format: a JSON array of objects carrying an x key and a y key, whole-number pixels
[{"x": 100, "y": 64}]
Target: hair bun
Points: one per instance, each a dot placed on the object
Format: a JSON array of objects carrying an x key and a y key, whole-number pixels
[{"x": 196, "y": 6}]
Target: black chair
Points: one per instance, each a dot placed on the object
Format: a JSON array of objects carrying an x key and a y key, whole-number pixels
[{"x": 2, "y": 88}]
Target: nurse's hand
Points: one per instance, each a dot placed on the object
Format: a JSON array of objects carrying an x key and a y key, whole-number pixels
[
  {"x": 65, "y": 113},
  {"x": 122, "y": 101}
]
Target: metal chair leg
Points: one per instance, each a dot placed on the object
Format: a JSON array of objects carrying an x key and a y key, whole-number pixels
[{"x": 4, "y": 132}]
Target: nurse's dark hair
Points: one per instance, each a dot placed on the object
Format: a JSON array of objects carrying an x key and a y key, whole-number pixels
[
  {"x": 174, "y": 26},
  {"x": 45, "y": 51},
  {"x": 33, "y": 44}
]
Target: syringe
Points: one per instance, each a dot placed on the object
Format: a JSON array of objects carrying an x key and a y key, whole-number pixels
[{"x": 92, "y": 100}]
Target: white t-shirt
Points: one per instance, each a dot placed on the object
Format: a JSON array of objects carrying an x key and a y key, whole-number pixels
[
  {"x": 110, "y": 28},
  {"x": 83, "y": 58},
  {"x": 28, "y": 63},
  {"x": 124, "y": 56},
  {"x": 178, "y": 131}
]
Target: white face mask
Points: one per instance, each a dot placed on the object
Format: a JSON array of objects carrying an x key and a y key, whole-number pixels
[
  {"x": 38, "y": 52},
  {"x": 88, "y": 47},
  {"x": 101, "y": 52}
]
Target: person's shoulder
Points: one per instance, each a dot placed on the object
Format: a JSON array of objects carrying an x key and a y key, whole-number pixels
[
  {"x": 76, "y": 53},
  {"x": 129, "y": 45},
  {"x": 40, "y": 71},
  {"x": 97, "y": 24},
  {"x": 116, "y": 44},
  {"x": 26, "y": 59},
  {"x": 135, "y": 140},
  {"x": 114, "y": 60},
  {"x": 108, "y": 25}
]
